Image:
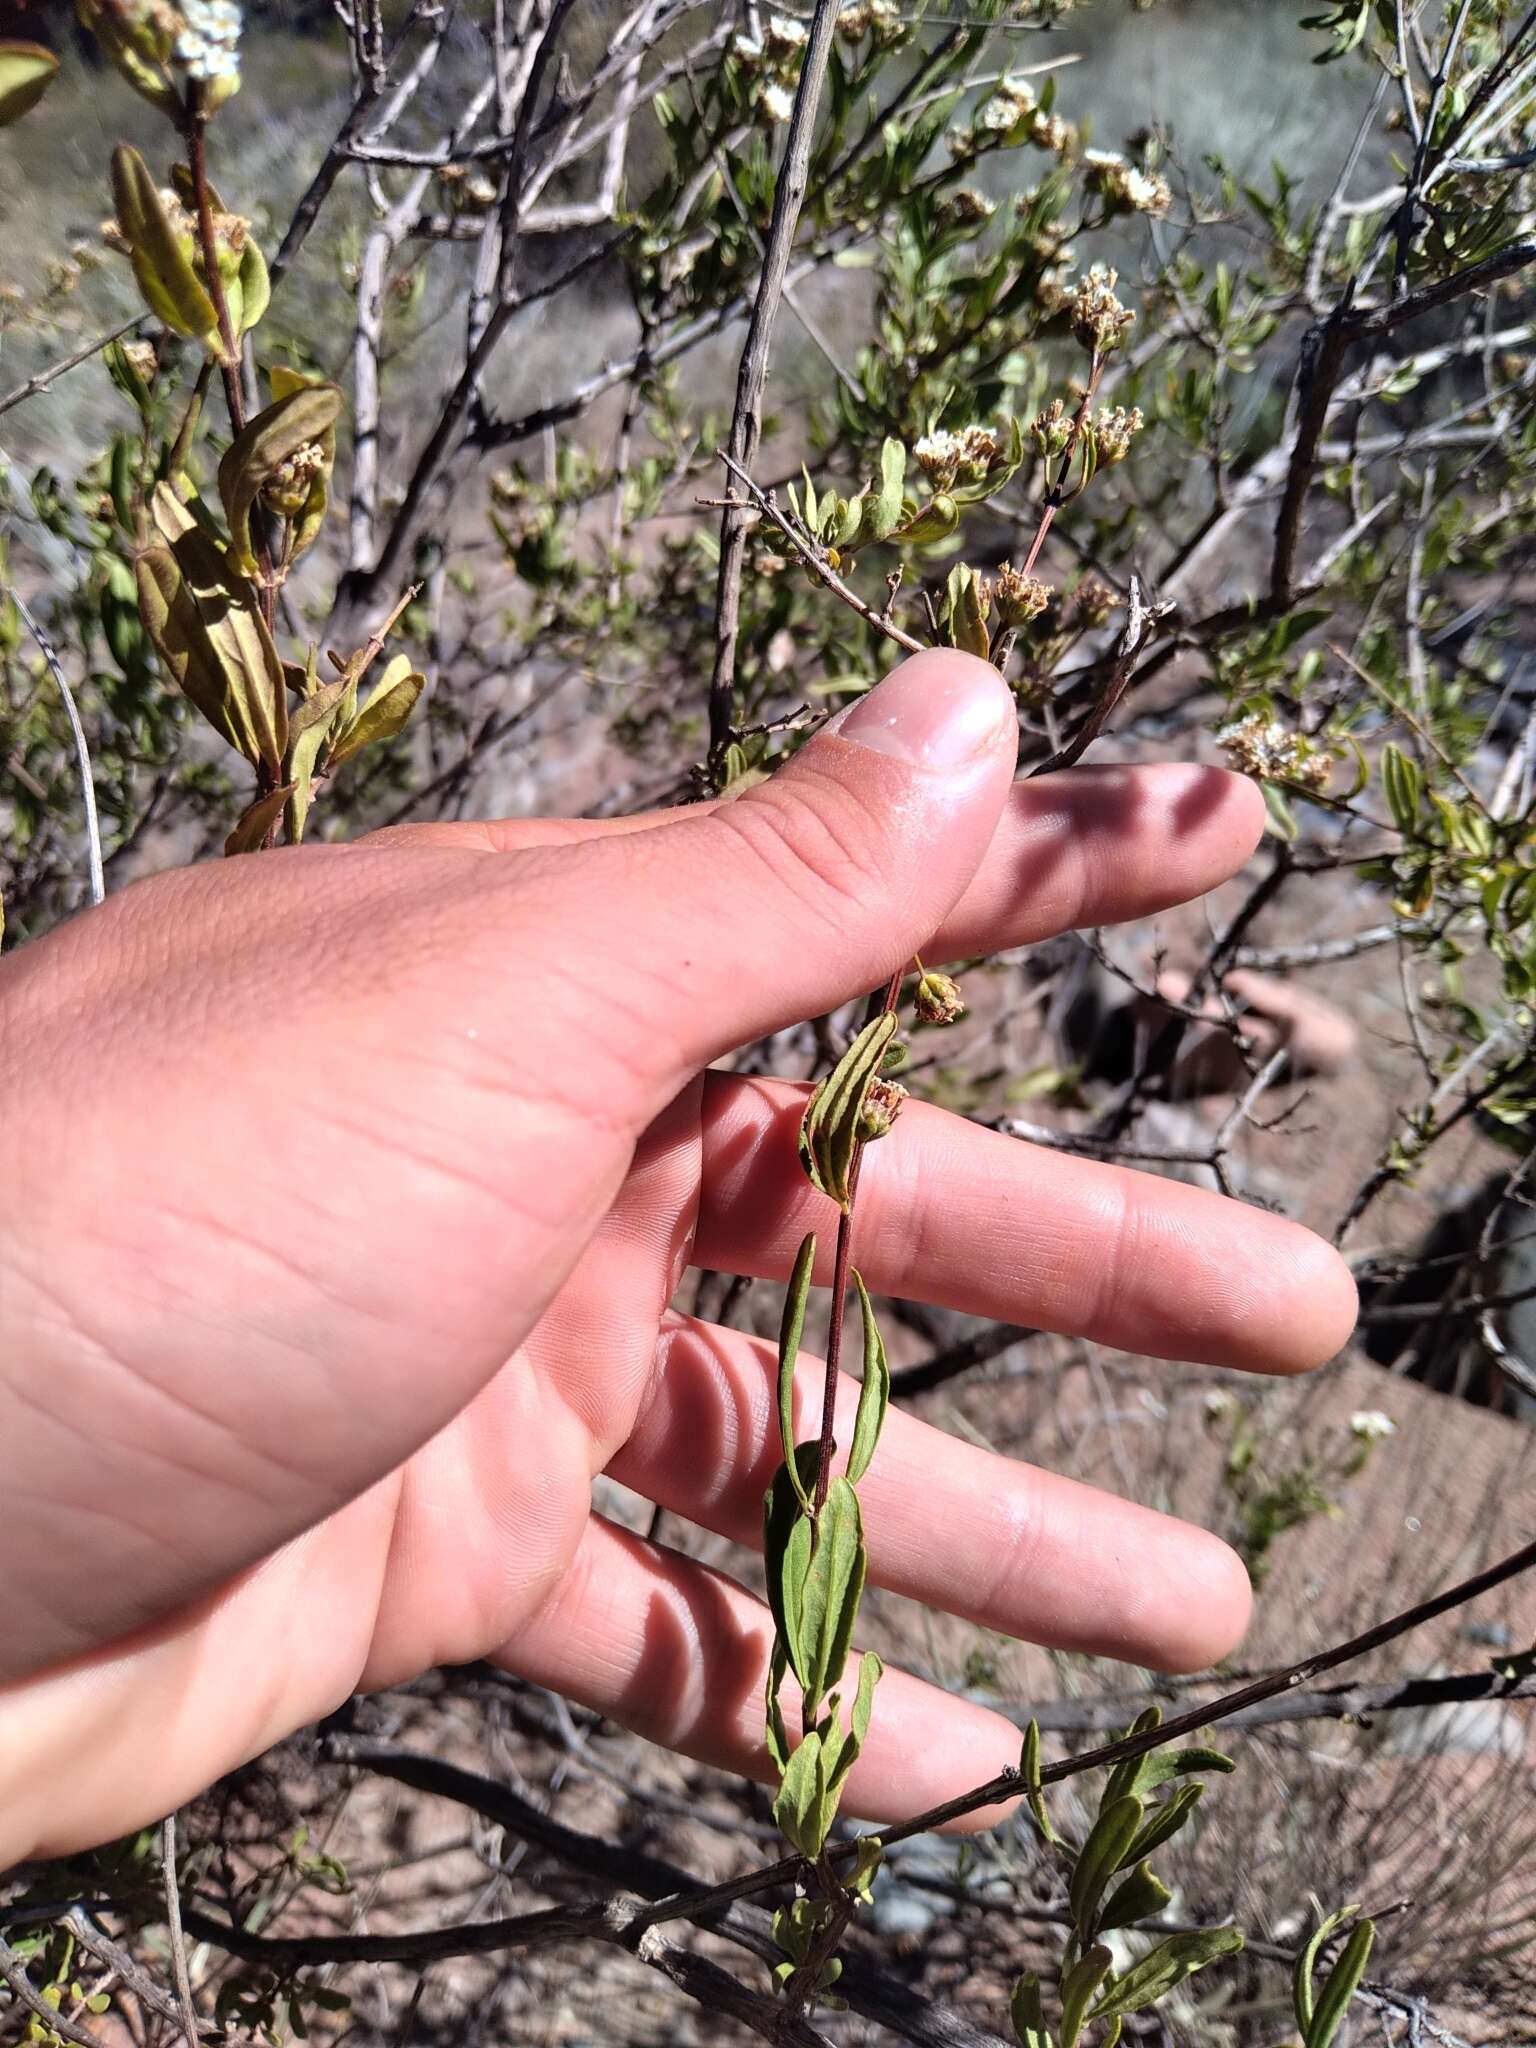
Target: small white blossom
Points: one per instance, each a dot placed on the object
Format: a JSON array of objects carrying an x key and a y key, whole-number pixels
[
  {"x": 776, "y": 101},
  {"x": 785, "y": 35},
  {"x": 1127, "y": 189},
  {"x": 1369, "y": 1424}
]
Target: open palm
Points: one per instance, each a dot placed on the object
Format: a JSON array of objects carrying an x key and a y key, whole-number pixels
[{"x": 343, "y": 1193}]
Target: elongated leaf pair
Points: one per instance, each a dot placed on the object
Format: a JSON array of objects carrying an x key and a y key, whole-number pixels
[
  {"x": 168, "y": 263},
  {"x": 1320, "y": 2012},
  {"x": 814, "y": 1773},
  {"x": 830, "y": 1130}
]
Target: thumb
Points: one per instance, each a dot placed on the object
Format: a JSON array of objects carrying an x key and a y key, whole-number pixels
[{"x": 816, "y": 885}]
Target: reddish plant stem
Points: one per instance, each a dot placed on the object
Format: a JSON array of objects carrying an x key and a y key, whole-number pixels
[
  {"x": 1055, "y": 496},
  {"x": 842, "y": 1264}
]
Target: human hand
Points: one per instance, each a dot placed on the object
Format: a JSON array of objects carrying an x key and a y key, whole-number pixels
[{"x": 343, "y": 1191}]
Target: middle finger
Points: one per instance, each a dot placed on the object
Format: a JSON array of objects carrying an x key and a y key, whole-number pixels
[{"x": 964, "y": 1218}]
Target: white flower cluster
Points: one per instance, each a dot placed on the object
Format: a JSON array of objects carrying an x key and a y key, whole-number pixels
[
  {"x": 1013, "y": 106},
  {"x": 1013, "y": 99},
  {"x": 776, "y": 101},
  {"x": 207, "y": 45},
  {"x": 1370, "y": 1425},
  {"x": 864, "y": 17}
]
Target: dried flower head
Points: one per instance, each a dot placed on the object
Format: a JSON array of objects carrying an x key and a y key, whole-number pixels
[
  {"x": 946, "y": 458},
  {"x": 1020, "y": 598},
  {"x": 207, "y": 45},
  {"x": 937, "y": 999},
  {"x": 1052, "y": 132},
  {"x": 1093, "y": 602},
  {"x": 938, "y": 456},
  {"x": 1264, "y": 748},
  {"x": 1099, "y": 321}
]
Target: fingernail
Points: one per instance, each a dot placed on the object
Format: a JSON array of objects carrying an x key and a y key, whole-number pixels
[{"x": 938, "y": 710}]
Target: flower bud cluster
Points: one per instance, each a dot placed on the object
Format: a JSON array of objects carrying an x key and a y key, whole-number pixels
[
  {"x": 882, "y": 1106},
  {"x": 965, "y": 457},
  {"x": 287, "y": 489},
  {"x": 1099, "y": 321},
  {"x": 1020, "y": 598},
  {"x": 878, "y": 18},
  {"x": 937, "y": 999},
  {"x": 1093, "y": 603},
  {"x": 1114, "y": 428},
  {"x": 1122, "y": 186}
]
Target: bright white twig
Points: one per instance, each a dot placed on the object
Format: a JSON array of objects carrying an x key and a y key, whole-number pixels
[{"x": 82, "y": 751}]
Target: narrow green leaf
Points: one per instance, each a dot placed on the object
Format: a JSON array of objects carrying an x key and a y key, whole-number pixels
[
  {"x": 1167, "y": 1966},
  {"x": 1403, "y": 783},
  {"x": 1126, "y": 1777},
  {"x": 793, "y": 1324},
  {"x": 1078, "y": 1986},
  {"x": 797, "y": 1809},
  {"x": 874, "y": 1394},
  {"x": 255, "y": 285},
  {"x": 173, "y": 623},
  {"x": 1028, "y": 2014},
  {"x": 882, "y": 507},
  {"x": 787, "y": 1553},
  {"x": 1164, "y": 1764},
  {"x": 776, "y": 1735},
  {"x": 1029, "y": 1770},
  {"x": 1102, "y": 1854},
  {"x": 964, "y": 616},
  {"x": 834, "y": 1585},
  {"x": 870, "y": 1670},
  {"x": 1306, "y": 1963},
  {"x": 829, "y": 1129}
]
